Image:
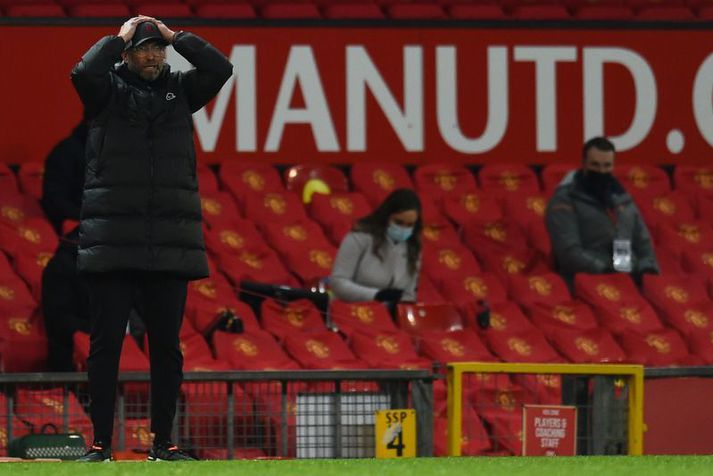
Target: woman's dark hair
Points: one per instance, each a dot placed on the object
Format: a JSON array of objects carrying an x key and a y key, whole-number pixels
[{"x": 400, "y": 200}]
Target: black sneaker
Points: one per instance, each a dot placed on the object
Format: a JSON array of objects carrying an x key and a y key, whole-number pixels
[
  {"x": 97, "y": 453},
  {"x": 169, "y": 452}
]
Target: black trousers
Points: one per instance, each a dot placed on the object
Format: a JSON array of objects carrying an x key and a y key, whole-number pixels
[{"x": 161, "y": 301}]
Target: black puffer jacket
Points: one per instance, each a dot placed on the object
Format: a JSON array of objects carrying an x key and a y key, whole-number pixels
[{"x": 141, "y": 209}]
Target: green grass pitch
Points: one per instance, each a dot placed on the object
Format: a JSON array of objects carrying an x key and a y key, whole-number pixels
[{"x": 505, "y": 466}]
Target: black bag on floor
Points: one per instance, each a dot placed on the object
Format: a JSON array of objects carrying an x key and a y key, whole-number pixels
[{"x": 65, "y": 446}]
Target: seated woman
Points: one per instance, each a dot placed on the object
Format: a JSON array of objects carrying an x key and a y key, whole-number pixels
[{"x": 380, "y": 258}]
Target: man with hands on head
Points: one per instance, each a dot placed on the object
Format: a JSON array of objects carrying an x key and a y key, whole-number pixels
[{"x": 140, "y": 237}]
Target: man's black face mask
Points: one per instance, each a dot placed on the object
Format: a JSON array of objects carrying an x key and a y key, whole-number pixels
[{"x": 599, "y": 181}]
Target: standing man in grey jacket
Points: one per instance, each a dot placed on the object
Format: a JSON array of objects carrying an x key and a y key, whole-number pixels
[{"x": 593, "y": 223}]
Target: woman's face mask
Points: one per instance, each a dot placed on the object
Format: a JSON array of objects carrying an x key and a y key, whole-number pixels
[
  {"x": 399, "y": 233},
  {"x": 401, "y": 225}
]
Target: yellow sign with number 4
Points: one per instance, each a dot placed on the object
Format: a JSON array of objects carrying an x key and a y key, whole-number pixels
[{"x": 395, "y": 433}]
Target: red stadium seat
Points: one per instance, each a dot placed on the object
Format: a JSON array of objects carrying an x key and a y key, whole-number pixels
[
  {"x": 242, "y": 179},
  {"x": 505, "y": 264},
  {"x": 565, "y": 315},
  {"x": 376, "y": 180},
  {"x": 218, "y": 208},
  {"x": 39, "y": 10},
  {"x": 494, "y": 238},
  {"x": 524, "y": 346},
  {"x": 32, "y": 236},
  {"x": 274, "y": 207},
  {"x": 23, "y": 344},
  {"x": 442, "y": 179},
  {"x": 507, "y": 179},
  {"x": 99, "y": 10},
  {"x": 294, "y": 236},
  {"x": 642, "y": 179},
  {"x": 281, "y": 320},
  {"x": 540, "y": 12},
  {"x": 691, "y": 179},
  {"x": 163, "y": 10},
  {"x": 321, "y": 350},
  {"x": 667, "y": 208},
  {"x": 466, "y": 11},
  {"x": 439, "y": 234},
  {"x": 304, "y": 249},
  {"x": 502, "y": 411},
  {"x": 682, "y": 301},
  {"x": 337, "y": 212},
  {"x": 252, "y": 351},
  {"x": 17, "y": 209},
  {"x": 456, "y": 346},
  {"x": 587, "y": 346},
  {"x": 225, "y": 10},
  {"x": 617, "y": 302},
  {"x": 290, "y": 10},
  {"x": 353, "y": 11},
  {"x": 547, "y": 288},
  {"x": 705, "y": 12},
  {"x": 471, "y": 206},
  {"x": 444, "y": 262},
  {"x": 416, "y": 11},
  {"x": 683, "y": 236},
  {"x": 234, "y": 237},
  {"x": 655, "y": 349},
  {"x": 15, "y": 299},
  {"x": 257, "y": 264},
  {"x": 525, "y": 208},
  {"x": 421, "y": 318},
  {"x": 604, "y": 12},
  {"x": 387, "y": 350},
  {"x": 365, "y": 317},
  {"x": 504, "y": 317},
  {"x": 467, "y": 288}
]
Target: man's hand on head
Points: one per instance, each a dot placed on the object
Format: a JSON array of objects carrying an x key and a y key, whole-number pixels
[
  {"x": 127, "y": 30},
  {"x": 166, "y": 32}
]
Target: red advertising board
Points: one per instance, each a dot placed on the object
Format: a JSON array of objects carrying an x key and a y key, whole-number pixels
[
  {"x": 549, "y": 430},
  {"x": 407, "y": 94}
]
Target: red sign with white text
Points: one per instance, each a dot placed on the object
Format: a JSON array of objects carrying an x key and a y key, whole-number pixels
[
  {"x": 408, "y": 95},
  {"x": 549, "y": 430}
]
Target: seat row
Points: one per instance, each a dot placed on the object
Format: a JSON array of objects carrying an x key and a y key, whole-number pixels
[{"x": 361, "y": 11}]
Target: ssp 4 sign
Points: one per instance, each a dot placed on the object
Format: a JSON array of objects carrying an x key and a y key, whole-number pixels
[{"x": 395, "y": 435}]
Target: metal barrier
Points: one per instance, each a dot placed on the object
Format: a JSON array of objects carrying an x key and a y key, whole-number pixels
[{"x": 224, "y": 415}]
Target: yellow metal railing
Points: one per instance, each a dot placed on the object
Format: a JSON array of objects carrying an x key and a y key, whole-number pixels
[{"x": 634, "y": 373}]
